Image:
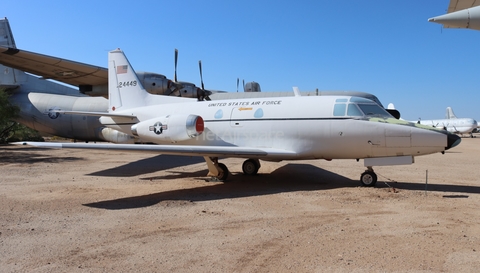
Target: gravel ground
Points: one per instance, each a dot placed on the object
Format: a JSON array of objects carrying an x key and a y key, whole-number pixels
[{"x": 108, "y": 211}]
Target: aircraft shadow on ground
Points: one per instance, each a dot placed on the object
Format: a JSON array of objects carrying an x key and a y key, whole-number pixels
[
  {"x": 289, "y": 178},
  {"x": 149, "y": 165},
  {"x": 431, "y": 187},
  {"x": 24, "y": 157}
]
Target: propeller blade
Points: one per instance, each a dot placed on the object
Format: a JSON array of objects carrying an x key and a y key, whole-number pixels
[
  {"x": 176, "y": 59},
  {"x": 201, "y": 76},
  {"x": 238, "y": 81}
]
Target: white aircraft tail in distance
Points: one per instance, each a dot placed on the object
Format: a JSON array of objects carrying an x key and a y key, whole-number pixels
[
  {"x": 271, "y": 129},
  {"x": 449, "y": 114},
  {"x": 452, "y": 124}
]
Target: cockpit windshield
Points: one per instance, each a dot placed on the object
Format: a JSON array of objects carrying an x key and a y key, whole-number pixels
[{"x": 359, "y": 107}]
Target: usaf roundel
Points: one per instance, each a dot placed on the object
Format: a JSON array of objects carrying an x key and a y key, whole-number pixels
[{"x": 157, "y": 128}]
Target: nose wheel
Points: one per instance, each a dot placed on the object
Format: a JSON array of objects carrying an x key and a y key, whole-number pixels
[{"x": 368, "y": 178}]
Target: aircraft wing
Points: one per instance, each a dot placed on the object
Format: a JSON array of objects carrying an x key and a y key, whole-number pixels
[
  {"x": 187, "y": 150},
  {"x": 54, "y": 68},
  {"x": 456, "y": 5}
]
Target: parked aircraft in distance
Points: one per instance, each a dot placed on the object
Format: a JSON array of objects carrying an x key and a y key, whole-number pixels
[
  {"x": 272, "y": 129},
  {"x": 453, "y": 124},
  {"x": 37, "y": 97},
  {"x": 460, "y": 14}
]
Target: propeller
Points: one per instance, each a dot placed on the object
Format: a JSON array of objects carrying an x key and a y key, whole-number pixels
[
  {"x": 176, "y": 60},
  {"x": 203, "y": 94},
  {"x": 175, "y": 85},
  {"x": 238, "y": 80},
  {"x": 201, "y": 76}
]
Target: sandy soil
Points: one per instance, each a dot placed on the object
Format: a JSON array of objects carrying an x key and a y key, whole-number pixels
[{"x": 105, "y": 211}]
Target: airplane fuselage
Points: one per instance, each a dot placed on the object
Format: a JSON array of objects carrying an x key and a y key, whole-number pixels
[{"x": 328, "y": 127}]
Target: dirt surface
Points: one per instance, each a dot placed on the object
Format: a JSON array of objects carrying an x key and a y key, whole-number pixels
[{"x": 107, "y": 211}]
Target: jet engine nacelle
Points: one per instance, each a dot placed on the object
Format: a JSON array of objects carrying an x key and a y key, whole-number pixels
[{"x": 171, "y": 128}]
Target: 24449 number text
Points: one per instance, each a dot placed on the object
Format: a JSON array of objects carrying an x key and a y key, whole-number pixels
[{"x": 126, "y": 84}]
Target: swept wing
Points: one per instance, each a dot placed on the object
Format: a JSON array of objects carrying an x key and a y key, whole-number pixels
[{"x": 188, "y": 150}]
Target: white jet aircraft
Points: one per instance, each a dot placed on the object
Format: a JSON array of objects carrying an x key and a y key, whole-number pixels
[
  {"x": 271, "y": 129},
  {"x": 453, "y": 124}
]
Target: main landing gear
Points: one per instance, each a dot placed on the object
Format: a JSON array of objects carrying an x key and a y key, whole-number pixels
[
  {"x": 219, "y": 172},
  {"x": 251, "y": 166},
  {"x": 368, "y": 178}
]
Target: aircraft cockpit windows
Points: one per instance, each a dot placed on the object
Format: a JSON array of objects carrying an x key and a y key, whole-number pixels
[
  {"x": 358, "y": 107},
  {"x": 373, "y": 110},
  {"x": 369, "y": 107},
  {"x": 354, "y": 111}
]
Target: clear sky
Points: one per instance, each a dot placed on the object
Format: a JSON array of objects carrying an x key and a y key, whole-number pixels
[{"x": 386, "y": 48}]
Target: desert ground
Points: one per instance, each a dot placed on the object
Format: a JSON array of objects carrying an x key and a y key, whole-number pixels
[{"x": 109, "y": 211}]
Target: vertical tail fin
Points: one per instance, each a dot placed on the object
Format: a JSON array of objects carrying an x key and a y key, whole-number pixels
[
  {"x": 6, "y": 35},
  {"x": 125, "y": 90},
  {"x": 449, "y": 114},
  {"x": 8, "y": 75}
]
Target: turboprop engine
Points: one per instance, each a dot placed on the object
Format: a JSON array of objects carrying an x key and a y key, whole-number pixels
[
  {"x": 158, "y": 84},
  {"x": 172, "y": 128}
]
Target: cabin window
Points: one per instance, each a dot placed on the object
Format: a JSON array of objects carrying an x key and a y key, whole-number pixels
[{"x": 339, "y": 109}]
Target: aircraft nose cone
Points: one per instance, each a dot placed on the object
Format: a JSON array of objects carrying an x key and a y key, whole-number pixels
[{"x": 452, "y": 141}]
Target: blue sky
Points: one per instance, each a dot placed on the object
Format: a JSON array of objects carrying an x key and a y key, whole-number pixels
[{"x": 386, "y": 48}]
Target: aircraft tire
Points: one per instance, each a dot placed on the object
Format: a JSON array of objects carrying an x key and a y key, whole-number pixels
[
  {"x": 224, "y": 174},
  {"x": 250, "y": 167},
  {"x": 368, "y": 179}
]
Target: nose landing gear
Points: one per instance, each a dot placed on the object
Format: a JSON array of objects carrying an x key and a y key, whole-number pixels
[{"x": 368, "y": 178}]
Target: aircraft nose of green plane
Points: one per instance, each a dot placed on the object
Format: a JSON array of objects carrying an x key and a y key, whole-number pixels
[{"x": 452, "y": 141}]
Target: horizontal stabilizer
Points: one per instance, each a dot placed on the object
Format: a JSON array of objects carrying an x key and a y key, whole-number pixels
[{"x": 94, "y": 114}]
